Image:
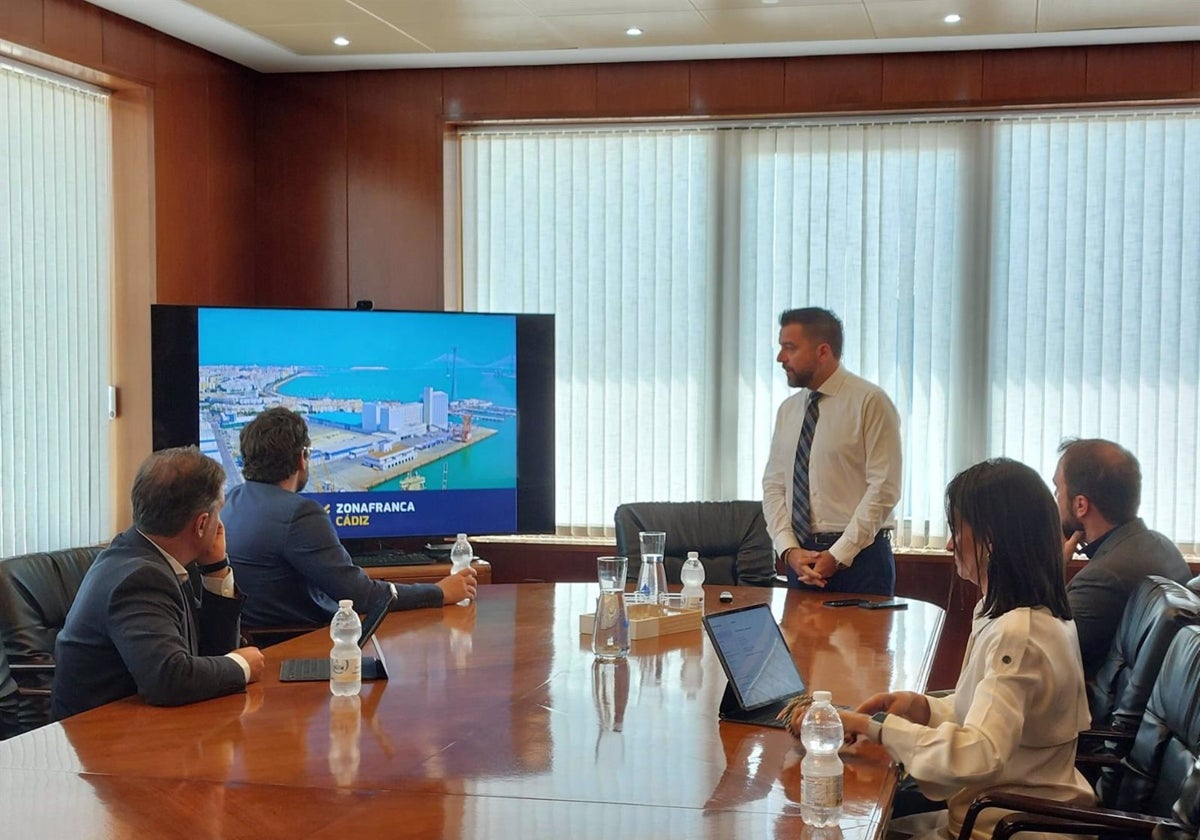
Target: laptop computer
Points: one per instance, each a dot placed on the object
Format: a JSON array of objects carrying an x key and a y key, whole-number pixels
[
  {"x": 762, "y": 677},
  {"x": 373, "y": 667}
]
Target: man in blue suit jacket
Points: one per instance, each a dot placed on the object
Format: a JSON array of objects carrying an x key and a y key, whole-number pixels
[
  {"x": 288, "y": 558},
  {"x": 1098, "y": 485},
  {"x": 157, "y": 613}
]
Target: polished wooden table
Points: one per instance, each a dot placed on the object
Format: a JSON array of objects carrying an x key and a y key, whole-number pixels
[
  {"x": 426, "y": 572},
  {"x": 496, "y": 722}
]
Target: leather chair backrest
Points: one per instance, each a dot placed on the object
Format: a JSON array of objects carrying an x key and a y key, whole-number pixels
[
  {"x": 1155, "y": 612},
  {"x": 36, "y": 590},
  {"x": 1167, "y": 743},
  {"x": 9, "y": 701},
  {"x": 1187, "y": 807},
  {"x": 731, "y": 538}
]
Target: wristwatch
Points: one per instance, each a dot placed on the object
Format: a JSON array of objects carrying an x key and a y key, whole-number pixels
[
  {"x": 211, "y": 568},
  {"x": 875, "y": 727}
]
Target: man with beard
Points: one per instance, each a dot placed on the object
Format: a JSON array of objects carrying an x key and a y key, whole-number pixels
[
  {"x": 833, "y": 472},
  {"x": 1098, "y": 485},
  {"x": 287, "y": 556}
]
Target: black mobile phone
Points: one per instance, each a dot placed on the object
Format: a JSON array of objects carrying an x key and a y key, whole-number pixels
[
  {"x": 884, "y": 605},
  {"x": 845, "y": 602}
]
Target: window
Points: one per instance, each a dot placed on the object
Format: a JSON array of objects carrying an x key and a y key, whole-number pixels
[
  {"x": 55, "y": 235},
  {"x": 1009, "y": 282}
]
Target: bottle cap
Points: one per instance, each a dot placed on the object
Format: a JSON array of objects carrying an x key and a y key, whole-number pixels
[
  {"x": 346, "y": 604},
  {"x": 822, "y": 697},
  {"x": 693, "y": 555},
  {"x": 462, "y": 536}
]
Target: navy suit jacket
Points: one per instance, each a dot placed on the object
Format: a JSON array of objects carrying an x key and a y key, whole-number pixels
[
  {"x": 1099, "y": 591},
  {"x": 291, "y": 565},
  {"x": 132, "y": 628}
]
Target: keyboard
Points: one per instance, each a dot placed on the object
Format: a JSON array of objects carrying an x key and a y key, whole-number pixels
[{"x": 393, "y": 558}]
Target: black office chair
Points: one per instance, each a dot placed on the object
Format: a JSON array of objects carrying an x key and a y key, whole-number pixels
[
  {"x": 36, "y": 590},
  {"x": 731, "y": 538},
  {"x": 1118, "y": 692},
  {"x": 1158, "y": 790},
  {"x": 1155, "y": 612}
]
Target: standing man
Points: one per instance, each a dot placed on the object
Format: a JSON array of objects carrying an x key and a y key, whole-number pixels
[
  {"x": 1098, "y": 485},
  {"x": 288, "y": 558},
  {"x": 157, "y": 613},
  {"x": 833, "y": 473}
]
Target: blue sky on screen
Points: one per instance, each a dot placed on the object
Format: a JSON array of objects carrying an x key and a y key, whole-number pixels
[{"x": 335, "y": 338}]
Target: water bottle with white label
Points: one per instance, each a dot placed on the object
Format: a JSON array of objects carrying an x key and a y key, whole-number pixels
[
  {"x": 692, "y": 578},
  {"x": 460, "y": 558},
  {"x": 345, "y": 660}
]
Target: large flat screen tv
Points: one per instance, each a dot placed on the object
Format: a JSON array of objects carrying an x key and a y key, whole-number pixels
[{"x": 423, "y": 424}]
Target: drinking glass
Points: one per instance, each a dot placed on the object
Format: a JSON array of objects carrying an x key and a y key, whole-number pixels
[
  {"x": 652, "y": 580},
  {"x": 610, "y": 629},
  {"x": 611, "y": 573}
]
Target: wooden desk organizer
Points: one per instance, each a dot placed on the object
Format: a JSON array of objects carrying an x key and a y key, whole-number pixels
[{"x": 649, "y": 621}]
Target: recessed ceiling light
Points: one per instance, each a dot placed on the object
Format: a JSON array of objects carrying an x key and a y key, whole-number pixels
[
  {"x": 341, "y": 41},
  {"x": 952, "y": 18},
  {"x": 633, "y": 31},
  {"x": 770, "y": 2}
]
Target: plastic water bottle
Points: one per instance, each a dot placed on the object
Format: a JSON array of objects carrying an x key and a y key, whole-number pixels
[
  {"x": 692, "y": 578},
  {"x": 460, "y": 558},
  {"x": 345, "y": 660},
  {"x": 821, "y": 769}
]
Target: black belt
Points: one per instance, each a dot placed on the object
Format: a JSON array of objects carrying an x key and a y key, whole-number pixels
[{"x": 828, "y": 538}]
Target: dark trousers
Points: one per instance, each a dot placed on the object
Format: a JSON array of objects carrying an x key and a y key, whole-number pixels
[{"x": 872, "y": 573}]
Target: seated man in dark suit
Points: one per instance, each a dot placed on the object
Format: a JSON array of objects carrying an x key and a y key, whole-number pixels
[
  {"x": 1098, "y": 485},
  {"x": 157, "y": 613},
  {"x": 288, "y": 558}
]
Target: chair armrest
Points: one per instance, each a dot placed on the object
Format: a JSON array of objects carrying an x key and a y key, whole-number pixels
[
  {"x": 18, "y": 668},
  {"x": 1062, "y": 813},
  {"x": 1128, "y": 829},
  {"x": 31, "y": 667}
]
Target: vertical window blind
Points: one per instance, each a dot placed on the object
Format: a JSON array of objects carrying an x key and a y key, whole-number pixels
[
  {"x": 55, "y": 235},
  {"x": 1008, "y": 282}
]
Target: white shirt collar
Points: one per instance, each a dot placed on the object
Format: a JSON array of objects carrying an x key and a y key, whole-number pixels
[{"x": 179, "y": 571}]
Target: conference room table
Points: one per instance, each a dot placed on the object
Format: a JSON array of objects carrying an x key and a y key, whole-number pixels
[{"x": 496, "y": 721}]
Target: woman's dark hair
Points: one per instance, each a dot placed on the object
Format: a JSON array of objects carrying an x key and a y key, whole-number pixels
[
  {"x": 1016, "y": 526},
  {"x": 271, "y": 445}
]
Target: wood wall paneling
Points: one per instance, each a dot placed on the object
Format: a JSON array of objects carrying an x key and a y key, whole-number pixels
[
  {"x": 1140, "y": 70},
  {"x": 929, "y": 79},
  {"x": 394, "y": 192},
  {"x": 741, "y": 86},
  {"x": 474, "y": 92},
  {"x": 1042, "y": 75},
  {"x": 300, "y": 190},
  {"x": 631, "y": 90},
  {"x": 21, "y": 21},
  {"x": 182, "y": 223},
  {"x": 833, "y": 83},
  {"x": 73, "y": 31},
  {"x": 128, "y": 48},
  {"x": 232, "y": 243},
  {"x": 551, "y": 92}
]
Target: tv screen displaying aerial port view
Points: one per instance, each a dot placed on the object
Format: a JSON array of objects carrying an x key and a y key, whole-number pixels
[{"x": 421, "y": 423}]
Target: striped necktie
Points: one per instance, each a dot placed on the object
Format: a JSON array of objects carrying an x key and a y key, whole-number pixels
[{"x": 801, "y": 505}]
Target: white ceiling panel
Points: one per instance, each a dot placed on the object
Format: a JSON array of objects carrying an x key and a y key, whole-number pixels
[
  {"x": 791, "y": 23},
  {"x": 1063, "y": 15},
  {"x": 448, "y": 33},
  {"x": 926, "y": 18},
  {"x": 365, "y": 39}
]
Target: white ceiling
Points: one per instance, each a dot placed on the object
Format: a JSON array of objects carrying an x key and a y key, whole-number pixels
[{"x": 297, "y": 35}]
